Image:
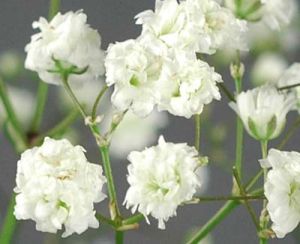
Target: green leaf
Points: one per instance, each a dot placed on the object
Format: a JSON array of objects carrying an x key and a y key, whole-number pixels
[
  {"x": 253, "y": 130},
  {"x": 271, "y": 127}
]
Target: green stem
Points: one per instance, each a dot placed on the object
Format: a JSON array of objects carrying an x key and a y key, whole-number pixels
[
  {"x": 197, "y": 131},
  {"x": 247, "y": 204},
  {"x": 263, "y": 216},
  {"x": 98, "y": 99},
  {"x": 239, "y": 135},
  {"x": 133, "y": 220},
  {"x": 105, "y": 220},
  {"x": 244, "y": 197},
  {"x": 119, "y": 237},
  {"x": 213, "y": 222},
  {"x": 13, "y": 119},
  {"x": 42, "y": 95},
  {"x": 226, "y": 92},
  {"x": 60, "y": 127},
  {"x": 115, "y": 213},
  {"x": 53, "y": 8},
  {"x": 9, "y": 224}
]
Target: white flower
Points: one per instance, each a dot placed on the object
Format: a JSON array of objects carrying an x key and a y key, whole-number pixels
[
  {"x": 278, "y": 13},
  {"x": 263, "y": 111},
  {"x": 71, "y": 40},
  {"x": 23, "y": 103},
  {"x": 282, "y": 189},
  {"x": 186, "y": 85},
  {"x": 135, "y": 133},
  {"x": 133, "y": 71},
  {"x": 195, "y": 25},
  {"x": 217, "y": 29},
  {"x": 292, "y": 77},
  {"x": 57, "y": 186},
  {"x": 161, "y": 178},
  {"x": 268, "y": 68}
]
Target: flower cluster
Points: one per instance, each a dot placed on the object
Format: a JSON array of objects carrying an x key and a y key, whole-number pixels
[
  {"x": 161, "y": 178},
  {"x": 69, "y": 39},
  {"x": 161, "y": 68},
  {"x": 282, "y": 189},
  {"x": 263, "y": 111},
  {"x": 57, "y": 186}
]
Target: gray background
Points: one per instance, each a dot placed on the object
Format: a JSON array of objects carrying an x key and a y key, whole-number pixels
[{"x": 114, "y": 20}]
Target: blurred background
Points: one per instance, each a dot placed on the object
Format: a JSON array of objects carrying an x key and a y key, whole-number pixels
[{"x": 271, "y": 53}]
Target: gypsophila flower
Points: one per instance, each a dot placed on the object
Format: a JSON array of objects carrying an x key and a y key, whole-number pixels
[
  {"x": 292, "y": 77},
  {"x": 193, "y": 25},
  {"x": 186, "y": 85},
  {"x": 282, "y": 189},
  {"x": 69, "y": 39},
  {"x": 268, "y": 61},
  {"x": 57, "y": 186},
  {"x": 278, "y": 13},
  {"x": 263, "y": 111},
  {"x": 133, "y": 71},
  {"x": 161, "y": 178},
  {"x": 136, "y": 132}
]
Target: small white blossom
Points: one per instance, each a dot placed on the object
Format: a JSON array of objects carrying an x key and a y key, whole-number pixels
[
  {"x": 186, "y": 85},
  {"x": 268, "y": 68},
  {"x": 134, "y": 133},
  {"x": 282, "y": 189},
  {"x": 263, "y": 111},
  {"x": 57, "y": 186},
  {"x": 69, "y": 39},
  {"x": 133, "y": 71},
  {"x": 278, "y": 13},
  {"x": 194, "y": 25},
  {"x": 292, "y": 77},
  {"x": 161, "y": 178}
]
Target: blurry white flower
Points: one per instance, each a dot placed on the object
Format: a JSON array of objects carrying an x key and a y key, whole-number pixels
[
  {"x": 23, "y": 103},
  {"x": 133, "y": 71},
  {"x": 292, "y": 77},
  {"x": 217, "y": 28},
  {"x": 282, "y": 189},
  {"x": 186, "y": 85},
  {"x": 268, "y": 68},
  {"x": 136, "y": 133},
  {"x": 161, "y": 178},
  {"x": 278, "y": 13},
  {"x": 57, "y": 186},
  {"x": 195, "y": 25},
  {"x": 263, "y": 111},
  {"x": 71, "y": 40}
]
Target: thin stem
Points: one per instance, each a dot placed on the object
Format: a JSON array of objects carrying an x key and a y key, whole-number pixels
[
  {"x": 105, "y": 220},
  {"x": 243, "y": 193},
  {"x": 133, "y": 220},
  {"x": 289, "y": 134},
  {"x": 119, "y": 237},
  {"x": 60, "y": 127},
  {"x": 42, "y": 95},
  {"x": 226, "y": 92},
  {"x": 110, "y": 183},
  {"x": 213, "y": 222},
  {"x": 225, "y": 198},
  {"x": 288, "y": 87},
  {"x": 253, "y": 181},
  {"x": 197, "y": 131},
  {"x": 13, "y": 119},
  {"x": 98, "y": 99},
  {"x": 53, "y": 8},
  {"x": 264, "y": 213},
  {"x": 9, "y": 224}
]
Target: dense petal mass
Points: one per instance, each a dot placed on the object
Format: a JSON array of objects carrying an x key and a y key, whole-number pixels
[
  {"x": 263, "y": 111},
  {"x": 57, "y": 186},
  {"x": 69, "y": 39},
  {"x": 161, "y": 178},
  {"x": 186, "y": 85},
  {"x": 282, "y": 189}
]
